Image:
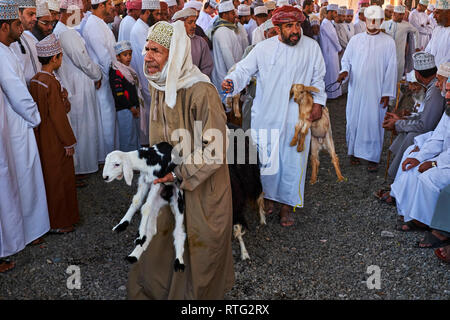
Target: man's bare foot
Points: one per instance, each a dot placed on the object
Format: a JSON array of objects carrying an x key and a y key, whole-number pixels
[
  {"x": 286, "y": 216},
  {"x": 268, "y": 206},
  {"x": 443, "y": 253},
  {"x": 354, "y": 161},
  {"x": 6, "y": 264}
]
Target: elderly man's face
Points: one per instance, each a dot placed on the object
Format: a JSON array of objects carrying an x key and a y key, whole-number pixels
[
  {"x": 289, "y": 33},
  {"x": 189, "y": 24},
  {"x": 156, "y": 57}
]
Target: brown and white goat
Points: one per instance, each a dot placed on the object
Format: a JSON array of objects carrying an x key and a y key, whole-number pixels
[{"x": 321, "y": 136}]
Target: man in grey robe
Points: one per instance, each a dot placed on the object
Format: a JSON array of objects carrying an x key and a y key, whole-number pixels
[{"x": 424, "y": 121}]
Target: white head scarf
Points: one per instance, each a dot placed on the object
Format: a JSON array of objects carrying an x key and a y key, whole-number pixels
[{"x": 179, "y": 72}]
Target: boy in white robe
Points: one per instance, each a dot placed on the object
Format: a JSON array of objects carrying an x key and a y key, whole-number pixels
[
  {"x": 283, "y": 169},
  {"x": 370, "y": 63}
]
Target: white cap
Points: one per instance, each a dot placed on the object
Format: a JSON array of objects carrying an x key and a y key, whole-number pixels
[
  {"x": 243, "y": 10},
  {"x": 342, "y": 11},
  {"x": 332, "y": 7},
  {"x": 281, "y": 3},
  {"x": 53, "y": 5},
  {"x": 171, "y": 3},
  {"x": 197, "y": 5},
  {"x": 270, "y": 5},
  {"x": 267, "y": 25},
  {"x": 374, "y": 12},
  {"x": 42, "y": 10},
  {"x": 349, "y": 12},
  {"x": 186, "y": 12},
  {"x": 389, "y": 7},
  {"x": 361, "y": 10},
  {"x": 424, "y": 2},
  {"x": 430, "y": 7},
  {"x": 213, "y": 4},
  {"x": 323, "y": 1},
  {"x": 260, "y": 10},
  {"x": 97, "y": 1},
  {"x": 151, "y": 5},
  {"x": 423, "y": 61},
  {"x": 399, "y": 9}
]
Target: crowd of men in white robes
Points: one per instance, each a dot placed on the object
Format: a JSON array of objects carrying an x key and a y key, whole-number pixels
[{"x": 364, "y": 55}]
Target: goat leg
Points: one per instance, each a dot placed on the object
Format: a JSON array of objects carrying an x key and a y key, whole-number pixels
[
  {"x": 262, "y": 212},
  {"x": 135, "y": 205},
  {"x": 334, "y": 158},
  {"x": 238, "y": 233},
  {"x": 294, "y": 140},
  {"x": 179, "y": 234}
]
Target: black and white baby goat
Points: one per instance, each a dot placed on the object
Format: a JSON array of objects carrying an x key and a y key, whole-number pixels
[{"x": 153, "y": 163}]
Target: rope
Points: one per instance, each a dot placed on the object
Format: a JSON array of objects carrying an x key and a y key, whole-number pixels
[{"x": 327, "y": 88}]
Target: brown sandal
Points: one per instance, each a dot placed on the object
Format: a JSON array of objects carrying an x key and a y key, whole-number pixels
[{"x": 6, "y": 265}]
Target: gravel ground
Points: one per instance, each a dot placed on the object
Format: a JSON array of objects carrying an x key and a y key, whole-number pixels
[{"x": 325, "y": 255}]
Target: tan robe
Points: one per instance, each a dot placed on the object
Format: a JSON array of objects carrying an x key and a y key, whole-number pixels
[
  {"x": 208, "y": 216},
  {"x": 52, "y": 136}
]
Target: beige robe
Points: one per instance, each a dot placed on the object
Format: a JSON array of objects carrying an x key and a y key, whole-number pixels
[{"x": 208, "y": 216}]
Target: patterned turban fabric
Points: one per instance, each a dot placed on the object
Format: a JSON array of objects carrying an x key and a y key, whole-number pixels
[{"x": 287, "y": 14}]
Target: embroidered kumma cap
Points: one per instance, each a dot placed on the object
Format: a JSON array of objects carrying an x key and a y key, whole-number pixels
[
  {"x": 161, "y": 33},
  {"x": 48, "y": 47}
]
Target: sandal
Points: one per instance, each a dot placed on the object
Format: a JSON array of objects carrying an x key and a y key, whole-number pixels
[
  {"x": 411, "y": 227},
  {"x": 438, "y": 253},
  {"x": 6, "y": 264},
  {"x": 384, "y": 196},
  {"x": 80, "y": 184},
  {"x": 354, "y": 161},
  {"x": 372, "y": 167},
  {"x": 37, "y": 241},
  {"x": 286, "y": 220},
  {"x": 62, "y": 230},
  {"x": 431, "y": 241}
]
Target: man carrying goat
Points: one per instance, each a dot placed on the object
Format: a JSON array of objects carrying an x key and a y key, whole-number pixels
[{"x": 183, "y": 98}]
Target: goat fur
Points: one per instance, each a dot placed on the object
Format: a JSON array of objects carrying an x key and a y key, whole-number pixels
[{"x": 321, "y": 135}]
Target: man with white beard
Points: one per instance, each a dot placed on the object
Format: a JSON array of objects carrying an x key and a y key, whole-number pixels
[
  {"x": 420, "y": 20},
  {"x": 370, "y": 63},
  {"x": 426, "y": 120},
  {"x": 79, "y": 74},
  {"x": 425, "y": 171},
  {"x": 100, "y": 44},
  {"x": 440, "y": 40}
]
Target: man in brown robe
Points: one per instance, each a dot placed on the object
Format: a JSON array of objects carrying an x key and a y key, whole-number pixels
[
  {"x": 55, "y": 138},
  {"x": 180, "y": 97}
]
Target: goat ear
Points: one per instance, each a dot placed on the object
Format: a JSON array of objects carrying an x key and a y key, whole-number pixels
[
  {"x": 312, "y": 89},
  {"x": 127, "y": 170}
]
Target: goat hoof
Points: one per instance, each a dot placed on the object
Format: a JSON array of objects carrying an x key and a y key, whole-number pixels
[
  {"x": 140, "y": 242},
  {"x": 131, "y": 259},
  {"x": 178, "y": 266},
  {"x": 245, "y": 256},
  {"x": 121, "y": 226}
]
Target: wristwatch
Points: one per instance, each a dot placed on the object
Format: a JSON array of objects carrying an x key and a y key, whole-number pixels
[
  {"x": 433, "y": 163},
  {"x": 175, "y": 178}
]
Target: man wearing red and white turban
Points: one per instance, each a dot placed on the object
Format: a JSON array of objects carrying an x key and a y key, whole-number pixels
[{"x": 278, "y": 63}]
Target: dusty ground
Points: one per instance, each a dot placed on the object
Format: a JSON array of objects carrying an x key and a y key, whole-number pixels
[{"x": 325, "y": 255}]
